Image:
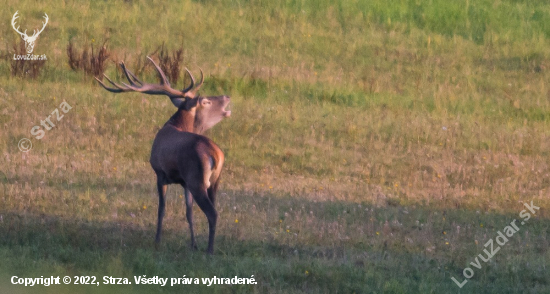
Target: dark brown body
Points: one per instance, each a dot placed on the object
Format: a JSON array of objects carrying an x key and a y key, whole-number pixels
[
  {"x": 194, "y": 162},
  {"x": 172, "y": 160}
]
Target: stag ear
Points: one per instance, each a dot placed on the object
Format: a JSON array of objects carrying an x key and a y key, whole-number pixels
[
  {"x": 178, "y": 102},
  {"x": 189, "y": 104}
]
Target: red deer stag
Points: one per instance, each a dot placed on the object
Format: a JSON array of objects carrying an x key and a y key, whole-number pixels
[{"x": 180, "y": 155}]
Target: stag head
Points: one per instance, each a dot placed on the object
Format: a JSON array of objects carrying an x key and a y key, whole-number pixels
[
  {"x": 206, "y": 111},
  {"x": 29, "y": 41}
]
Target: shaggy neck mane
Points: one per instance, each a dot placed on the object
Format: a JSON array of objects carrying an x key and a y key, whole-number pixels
[{"x": 183, "y": 120}]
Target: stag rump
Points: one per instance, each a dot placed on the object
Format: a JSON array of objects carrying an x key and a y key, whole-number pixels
[{"x": 180, "y": 154}]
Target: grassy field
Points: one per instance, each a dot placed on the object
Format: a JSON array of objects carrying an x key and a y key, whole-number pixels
[{"x": 374, "y": 147}]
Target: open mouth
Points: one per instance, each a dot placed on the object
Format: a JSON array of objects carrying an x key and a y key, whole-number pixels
[{"x": 226, "y": 113}]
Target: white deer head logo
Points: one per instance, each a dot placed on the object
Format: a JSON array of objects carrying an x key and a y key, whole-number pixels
[{"x": 29, "y": 41}]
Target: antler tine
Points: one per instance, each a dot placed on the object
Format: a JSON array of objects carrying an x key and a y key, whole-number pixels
[
  {"x": 162, "y": 76},
  {"x": 201, "y": 82},
  {"x": 129, "y": 75},
  {"x": 123, "y": 89},
  {"x": 107, "y": 88},
  {"x": 102, "y": 84},
  {"x": 43, "y": 27},
  {"x": 192, "y": 82},
  {"x": 15, "y": 16},
  {"x": 191, "y": 93},
  {"x": 119, "y": 88},
  {"x": 135, "y": 78}
]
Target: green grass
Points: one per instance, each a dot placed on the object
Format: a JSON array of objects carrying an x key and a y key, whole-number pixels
[{"x": 374, "y": 147}]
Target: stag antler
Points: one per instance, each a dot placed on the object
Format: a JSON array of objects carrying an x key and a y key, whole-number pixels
[
  {"x": 44, "y": 26},
  {"x": 162, "y": 88},
  {"x": 15, "y": 16}
]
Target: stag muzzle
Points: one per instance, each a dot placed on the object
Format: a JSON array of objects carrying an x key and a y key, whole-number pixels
[{"x": 227, "y": 112}]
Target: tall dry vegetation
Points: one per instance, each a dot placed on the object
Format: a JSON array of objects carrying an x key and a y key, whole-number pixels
[
  {"x": 91, "y": 61},
  {"x": 24, "y": 68},
  {"x": 171, "y": 62}
]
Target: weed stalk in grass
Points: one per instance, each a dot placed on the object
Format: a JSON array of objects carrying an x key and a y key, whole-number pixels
[
  {"x": 92, "y": 63},
  {"x": 20, "y": 67}
]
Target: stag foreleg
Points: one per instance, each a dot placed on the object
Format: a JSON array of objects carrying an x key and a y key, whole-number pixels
[
  {"x": 162, "y": 202},
  {"x": 189, "y": 214}
]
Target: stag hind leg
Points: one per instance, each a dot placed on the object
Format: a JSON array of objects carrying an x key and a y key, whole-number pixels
[
  {"x": 203, "y": 201},
  {"x": 189, "y": 214},
  {"x": 212, "y": 192},
  {"x": 161, "y": 187}
]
